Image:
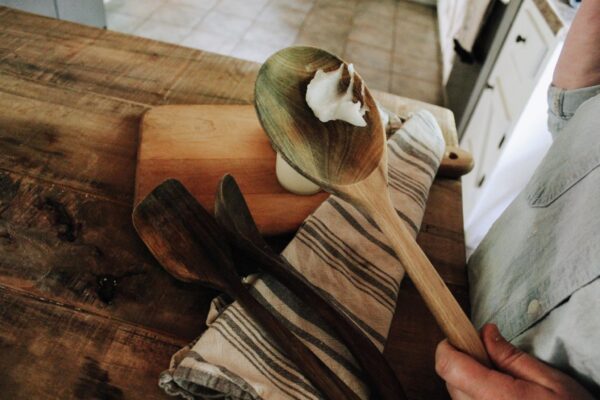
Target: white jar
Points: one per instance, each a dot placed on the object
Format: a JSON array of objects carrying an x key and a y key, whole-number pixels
[{"x": 293, "y": 181}]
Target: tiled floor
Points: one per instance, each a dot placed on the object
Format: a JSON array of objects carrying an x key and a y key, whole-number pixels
[{"x": 393, "y": 43}]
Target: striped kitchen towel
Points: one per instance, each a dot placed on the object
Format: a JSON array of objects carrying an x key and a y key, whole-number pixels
[{"x": 341, "y": 252}]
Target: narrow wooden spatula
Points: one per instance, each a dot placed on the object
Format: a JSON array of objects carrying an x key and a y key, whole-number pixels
[
  {"x": 234, "y": 216},
  {"x": 189, "y": 244}
]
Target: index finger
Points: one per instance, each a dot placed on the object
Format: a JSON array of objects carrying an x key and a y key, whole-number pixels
[{"x": 469, "y": 376}]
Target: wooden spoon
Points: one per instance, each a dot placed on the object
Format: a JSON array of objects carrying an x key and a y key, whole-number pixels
[
  {"x": 350, "y": 162},
  {"x": 234, "y": 216},
  {"x": 189, "y": 244}
]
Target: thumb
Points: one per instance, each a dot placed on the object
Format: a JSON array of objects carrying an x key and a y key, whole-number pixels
[{"x": 515, "y": 362}]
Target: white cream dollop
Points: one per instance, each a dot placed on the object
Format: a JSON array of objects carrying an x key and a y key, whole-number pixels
[{"x": 328, "y": 104}]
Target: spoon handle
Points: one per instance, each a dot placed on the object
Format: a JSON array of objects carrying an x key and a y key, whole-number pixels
[
  {"x": 380, "y": 376},
  {"x": 449, "y": 315},
  {"x": 311, "y": 366}
]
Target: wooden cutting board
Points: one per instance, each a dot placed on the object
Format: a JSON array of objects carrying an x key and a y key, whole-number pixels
[{"x": 198, "y": 144}]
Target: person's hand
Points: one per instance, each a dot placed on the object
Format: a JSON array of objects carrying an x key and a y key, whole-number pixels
[{"x": 518, "y": 375}]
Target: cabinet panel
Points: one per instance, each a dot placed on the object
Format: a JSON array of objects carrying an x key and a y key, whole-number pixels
[
  {"x": 527, "y": 45},
  {"x": 41, "y": 7},
  {"x": 521, "y": 61},
  {"x": 484, "y": 139},
  {"x": 474, "y": 141},
  {"x": 88, "y": 12},
  {"x": 497, "y": 134}
]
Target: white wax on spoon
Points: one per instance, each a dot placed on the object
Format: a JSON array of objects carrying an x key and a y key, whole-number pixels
[
  {"x": 325, "y": 100},
  {"x": 327, "y": 103},
  {"x": 292, "y": 180}
]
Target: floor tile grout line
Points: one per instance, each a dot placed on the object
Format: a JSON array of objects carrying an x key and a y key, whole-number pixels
[
  {"x": 144, "y": 20},
  {"x": 301, "y": 27},
  {"x": 404, "y": 75},
  {"x": 387, "y": 71},
  {"x": 251, "y": 24},
  {"x": 261, "y": 11},
  {"x": 394, "y": 29},
  {"x": 348, "y": 35},
  {"x": 233, "y": 45},
  {"x": 132, "y": 16},
  {"x": 238, "y": 37},
  {"x": 416, "y": 78},
  {"x": 444, "y": 99},
  {"x": 211, "y": 8}
]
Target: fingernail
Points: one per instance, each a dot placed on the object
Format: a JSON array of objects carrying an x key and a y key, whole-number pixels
[{"x": 496, "y": 335}]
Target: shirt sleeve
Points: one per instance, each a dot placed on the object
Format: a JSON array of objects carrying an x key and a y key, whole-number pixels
[{"x": 563, "y": 103}]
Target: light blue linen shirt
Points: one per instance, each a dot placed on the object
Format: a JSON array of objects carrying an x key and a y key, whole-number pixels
[{"x": 546, "y": 247}]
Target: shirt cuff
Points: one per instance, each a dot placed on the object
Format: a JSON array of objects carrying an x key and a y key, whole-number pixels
[{"x": 563, "y": 103}]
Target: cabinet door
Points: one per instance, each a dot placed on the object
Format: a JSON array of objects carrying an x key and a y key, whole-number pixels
[
  {"x": 473, "y": 141},
  {"x": 496, "y": 136},
  {"x": 41, "y": 7},
  {"x": 88, "y": 12},
  {"x": 517, "y": 69},
  {"x": 484, "y": 139},
  {"x": 519, "y": 62}
]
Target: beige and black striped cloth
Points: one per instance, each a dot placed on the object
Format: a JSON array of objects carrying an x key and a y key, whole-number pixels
[{"x": 342, "y": 253}]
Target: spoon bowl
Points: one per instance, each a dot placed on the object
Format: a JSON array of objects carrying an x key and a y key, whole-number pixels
[
  {"x": 331, "y": 152},
  {"x": 351, "y": 162}
]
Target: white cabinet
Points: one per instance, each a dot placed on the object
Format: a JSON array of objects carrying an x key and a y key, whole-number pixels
[
  {"x": 525, "y": 51},
  {"x": 88, "y": 12},
  {"x": 484, "y": 138},
  {"x": 527, "y": 46},
  {"x": 41, "y": 7}
]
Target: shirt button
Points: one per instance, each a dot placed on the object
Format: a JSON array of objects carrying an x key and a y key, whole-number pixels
[{"x": 534, "y": 308}]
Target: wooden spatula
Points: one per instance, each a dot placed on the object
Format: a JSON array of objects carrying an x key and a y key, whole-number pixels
[
  {"x": 234, "y": 216},
  {"x": 189, "y": 244}
]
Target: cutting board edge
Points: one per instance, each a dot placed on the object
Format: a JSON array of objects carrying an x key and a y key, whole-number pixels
[
  {"x": 149, "y": 113},
  {"x": 136, "y": 186}
]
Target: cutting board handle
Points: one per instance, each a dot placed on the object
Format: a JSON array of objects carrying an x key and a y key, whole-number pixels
[{"x": 455, "y": 163}]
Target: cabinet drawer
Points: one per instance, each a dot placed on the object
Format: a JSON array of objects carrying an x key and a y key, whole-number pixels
[{"x": 525, "y": 49}]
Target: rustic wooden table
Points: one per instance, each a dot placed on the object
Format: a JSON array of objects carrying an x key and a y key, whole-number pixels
[{"x": 71, "y": 98}]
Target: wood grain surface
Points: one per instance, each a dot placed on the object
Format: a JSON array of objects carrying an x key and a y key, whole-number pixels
[
  {"x": 198, "y": 144},
  {"x": 71, "y": 100}
]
